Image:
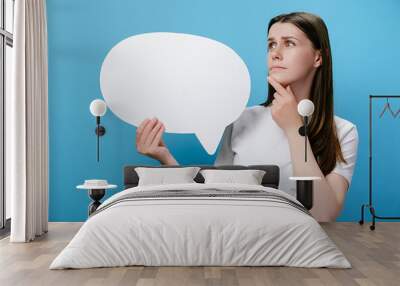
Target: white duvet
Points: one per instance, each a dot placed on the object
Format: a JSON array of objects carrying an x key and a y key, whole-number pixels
[{"x": 200, "y": 231}]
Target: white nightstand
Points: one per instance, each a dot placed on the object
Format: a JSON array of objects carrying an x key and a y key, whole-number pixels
[{"x": 96, "y": 190}]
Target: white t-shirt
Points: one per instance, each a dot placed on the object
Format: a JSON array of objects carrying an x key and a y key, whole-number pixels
[{"x": 255, "y": 138}]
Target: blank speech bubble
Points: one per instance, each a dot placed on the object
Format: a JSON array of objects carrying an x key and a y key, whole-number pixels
[{"x": 192, "y": 84}]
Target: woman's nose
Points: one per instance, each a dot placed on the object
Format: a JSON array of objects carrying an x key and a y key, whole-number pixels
[{"x": 276, "y": 54}]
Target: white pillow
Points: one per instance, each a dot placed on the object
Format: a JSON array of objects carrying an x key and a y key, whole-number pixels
[
  {"x": 162, "y": 176},
  {"x": 249, "y": 177}
]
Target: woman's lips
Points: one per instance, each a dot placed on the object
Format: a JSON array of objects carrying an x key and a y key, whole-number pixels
[{"x": 277, "y": 68}]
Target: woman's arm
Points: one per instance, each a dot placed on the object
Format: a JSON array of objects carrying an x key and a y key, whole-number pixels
[
  {"x": 329, "y": 192},
  {"x": 168, "y": 160}
]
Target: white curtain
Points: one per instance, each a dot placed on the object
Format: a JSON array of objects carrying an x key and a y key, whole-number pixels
[{"x": 27, "y": 124}]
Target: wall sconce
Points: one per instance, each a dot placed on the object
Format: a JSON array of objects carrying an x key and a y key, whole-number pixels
[{"x": 98, "y": 108}]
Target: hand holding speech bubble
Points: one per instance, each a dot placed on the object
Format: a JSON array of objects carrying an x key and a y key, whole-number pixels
[{"x": 192, "y": 84}]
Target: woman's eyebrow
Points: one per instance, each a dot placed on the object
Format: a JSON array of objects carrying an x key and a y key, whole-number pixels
[{"x": 284, "y": 37}]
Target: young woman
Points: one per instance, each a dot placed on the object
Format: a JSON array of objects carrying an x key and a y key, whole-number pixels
[{"x": 300, "y": 67}]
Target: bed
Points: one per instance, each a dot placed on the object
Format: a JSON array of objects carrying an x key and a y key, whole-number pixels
[{"x": 201, "y": 224}]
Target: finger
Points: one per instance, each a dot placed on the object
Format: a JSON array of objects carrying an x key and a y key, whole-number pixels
[
  {"x": 158, "y": 131},
  {"x": 278, "y": 87},
  {"x": 277, "y": 98},
  {"x": 142, "y": 125},
  {"x": 162, "y": 141},
  {"x": 146, "y": 130},
  {"x": 140, "y": 129},
  {"x": 277, "y": 95},
  {"x": 158, "y": 136},
  {"x": 153, "y": 133}
]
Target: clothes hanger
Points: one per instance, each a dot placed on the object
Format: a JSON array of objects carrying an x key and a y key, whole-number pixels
[
  {"x": 397, "y": 112},
  {"x": 387, "y": 106}
]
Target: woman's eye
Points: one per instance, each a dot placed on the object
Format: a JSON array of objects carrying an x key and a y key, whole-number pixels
[
  {"x": 271, "y": 45},
  {"x": 290, "y": 43}
]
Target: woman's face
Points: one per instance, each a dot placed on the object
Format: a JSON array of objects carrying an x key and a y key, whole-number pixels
[{"x": 291, "y": 55}]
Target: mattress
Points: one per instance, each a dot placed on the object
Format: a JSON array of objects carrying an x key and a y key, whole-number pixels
[{"x": 198, "y": 224}]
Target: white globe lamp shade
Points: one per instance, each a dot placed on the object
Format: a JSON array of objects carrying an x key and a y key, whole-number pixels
[
  {"x": 305, "y": 107},
  {"x": 98, "y": 107}
]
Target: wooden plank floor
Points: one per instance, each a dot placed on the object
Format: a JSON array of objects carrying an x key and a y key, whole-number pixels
[{"x": 374, "y": 255}]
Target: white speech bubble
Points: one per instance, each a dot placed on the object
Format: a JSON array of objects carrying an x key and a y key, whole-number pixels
[{"x": 191, "y": 83}]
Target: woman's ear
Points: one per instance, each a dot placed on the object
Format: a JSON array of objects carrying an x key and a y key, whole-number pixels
[{"x": 318, "y": 59}]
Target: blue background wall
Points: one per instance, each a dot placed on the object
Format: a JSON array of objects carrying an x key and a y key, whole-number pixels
[{"x": 365, "y": 39}]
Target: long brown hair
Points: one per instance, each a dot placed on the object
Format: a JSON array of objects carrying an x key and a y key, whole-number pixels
[{"x": 322, "y": 129}]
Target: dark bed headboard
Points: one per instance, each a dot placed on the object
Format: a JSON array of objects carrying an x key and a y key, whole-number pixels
[{"x": 270, "y": 179}]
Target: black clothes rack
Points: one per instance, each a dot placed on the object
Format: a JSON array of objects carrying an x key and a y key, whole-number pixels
[{"x": 369, "y": 205}]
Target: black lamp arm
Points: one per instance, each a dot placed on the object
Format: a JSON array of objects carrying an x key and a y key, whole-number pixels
[{"x": 100, "y": 131}]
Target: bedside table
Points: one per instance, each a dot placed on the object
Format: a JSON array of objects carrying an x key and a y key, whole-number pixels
[
  {"x": 96, "y": 191},
  {"x": 305, "y": 190}
]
